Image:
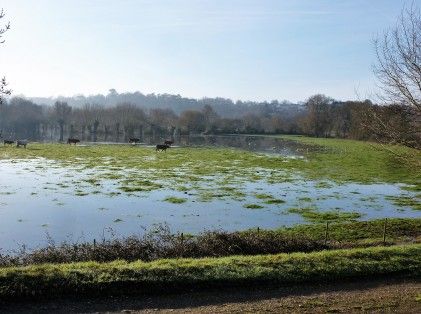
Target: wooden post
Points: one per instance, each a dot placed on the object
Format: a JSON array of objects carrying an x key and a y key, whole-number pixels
[
  {"x": 327, "y": 232},
  {"x": 384, "y": 231},
  {"x": 258, "y": 229},
  {"x": 94, "y": 243},
  {"x": 182, "y": 244}
]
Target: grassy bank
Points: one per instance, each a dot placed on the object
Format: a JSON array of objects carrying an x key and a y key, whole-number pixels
[
  {"x": 161, "y": 243},
  {"x": 365, "y": 231},
  {"x": 177, "y": 274},
  {"x": 351, "y": 160}
]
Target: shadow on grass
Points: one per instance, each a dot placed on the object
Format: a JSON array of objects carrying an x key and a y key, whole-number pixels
[{"x": 196, "y": 298}]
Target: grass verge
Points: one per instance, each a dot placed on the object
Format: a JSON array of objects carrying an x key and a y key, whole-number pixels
[{"x": 171, "y": 275}]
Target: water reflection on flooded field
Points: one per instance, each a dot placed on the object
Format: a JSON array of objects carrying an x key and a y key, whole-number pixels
[
  {"x": 262, "y": 144},
  {"x": 39, "y": 197}
]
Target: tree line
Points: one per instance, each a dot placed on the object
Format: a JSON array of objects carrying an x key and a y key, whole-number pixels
[{"x": 319, "y": 116}]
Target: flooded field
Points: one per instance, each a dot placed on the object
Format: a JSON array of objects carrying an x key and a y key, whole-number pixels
[{"x": 90, "y": 192}]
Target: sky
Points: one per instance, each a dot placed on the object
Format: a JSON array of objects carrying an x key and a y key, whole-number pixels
[{"x": 240, "y": 49}]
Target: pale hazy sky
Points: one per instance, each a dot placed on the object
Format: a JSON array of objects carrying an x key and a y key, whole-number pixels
[{"x": 249, "y": 50}]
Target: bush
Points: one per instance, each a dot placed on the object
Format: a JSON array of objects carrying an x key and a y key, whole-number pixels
[{"x": 161, "y": 243}]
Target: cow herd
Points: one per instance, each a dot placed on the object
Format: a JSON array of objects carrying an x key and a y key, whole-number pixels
[
  {"x": 19, "y": 143},
  {"x": 133, "y": 140},
  {"x": 159, "y": 147}
]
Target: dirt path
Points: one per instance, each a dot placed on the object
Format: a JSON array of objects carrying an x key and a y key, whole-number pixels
[{"x": 395, "y": 296}]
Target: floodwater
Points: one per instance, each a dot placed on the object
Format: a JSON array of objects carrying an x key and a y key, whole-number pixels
[
  {"x": 261, "y": 144},
  {"x": 40, "y": 200}
]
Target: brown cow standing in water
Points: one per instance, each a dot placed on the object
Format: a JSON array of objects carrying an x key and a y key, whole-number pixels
[
  {"x": 72, "y": 141},
  {"x": 162, "y": 147}
]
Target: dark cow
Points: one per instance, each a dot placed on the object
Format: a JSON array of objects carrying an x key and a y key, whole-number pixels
[
  {"x": 134, "y": 140},
  {"x": 169, "y": 143},
  {"x": 21, "y": 143},
  {"x": 162, "y": 147},
  {"x": 8, "y": 142},
  {"x": 73, "y": 141}
]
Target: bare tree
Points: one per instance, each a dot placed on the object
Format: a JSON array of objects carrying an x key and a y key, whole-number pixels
[
  {"x": 398, "y": 66},
  {"x": 398, "y": 70},
  {"x": 192, "y": 121},
  {"x": 62, "y": 113},
  {"x": 3, "y": 84},
  {"x": 210, "y": 118}
]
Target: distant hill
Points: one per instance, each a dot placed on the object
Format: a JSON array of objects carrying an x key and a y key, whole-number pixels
[{"x": 223, "y": 106}]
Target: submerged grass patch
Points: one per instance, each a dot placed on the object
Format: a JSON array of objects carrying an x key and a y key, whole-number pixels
[
  {"x": 305, "y": 199},
  {"x": 274, "y": 201},
  {"x": 130, "y": 189},
  {"x": 329, "y": 216},
  {"x": 406, "y": 201},
  {"x": 175, "y": 200},
  {"x": 263, "y": 196},
  {"x": 313, "y": 215},
  {"x": 252, "y": 206},
  {"x": 412, "y": 188},
  {"x": 81, "y": 193}
]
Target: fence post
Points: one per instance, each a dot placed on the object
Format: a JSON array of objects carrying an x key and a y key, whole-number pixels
[
  {"x": 384, "y": 231},
  {"x": 258, "y": 229},
  {"x": 94, "y": 243},
  {"x": 326, "y": 232},
  {"x": 182, "y": 244}
]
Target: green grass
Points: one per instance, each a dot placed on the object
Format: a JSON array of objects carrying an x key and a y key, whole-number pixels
[
  {"x": 305, "y": 199},
  {"x": 263, "y": 196},
  {"x": 130, "y": 189},
  {"x": 253, "y": 206},
  {"x": 350, "y": 160},
  {"x": 330, "y": 216},
  {"x": 274, "y": 201},
  {"x": 398, "y": 229},
  {"x": 81, "y": 193},
  {"x": 177, "y": 274},
  {"x": 311, "y": 214},
  {"x": 406, "y": 201},
  {"x": 175, "y": 200},
  {"x": 332, "y": 159}
]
